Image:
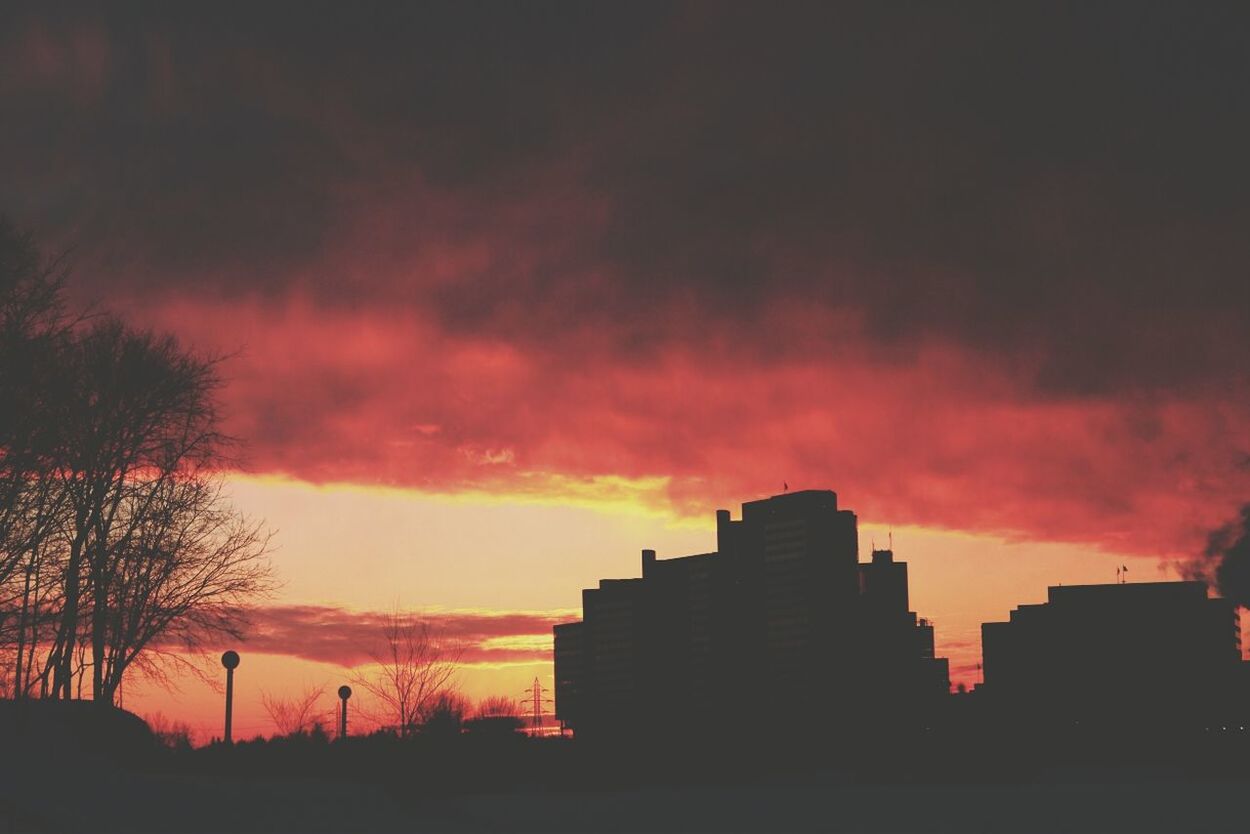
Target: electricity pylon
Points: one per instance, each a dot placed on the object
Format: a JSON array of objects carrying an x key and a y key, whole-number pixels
[{"x": 537, "y": 701}]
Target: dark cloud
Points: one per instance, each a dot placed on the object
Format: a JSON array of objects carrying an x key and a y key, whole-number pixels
[{"x": 1064, "y": 179}]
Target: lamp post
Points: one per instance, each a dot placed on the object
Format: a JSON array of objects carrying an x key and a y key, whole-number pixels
[
  {"x": 230, "y": 660},
  {"x": 345, "y": 692}
]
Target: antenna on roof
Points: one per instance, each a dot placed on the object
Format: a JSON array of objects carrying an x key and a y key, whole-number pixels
[{"x": 891, "y": 539}]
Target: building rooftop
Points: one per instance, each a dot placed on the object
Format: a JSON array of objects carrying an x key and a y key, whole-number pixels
[{"x": 1135, "y": 591}]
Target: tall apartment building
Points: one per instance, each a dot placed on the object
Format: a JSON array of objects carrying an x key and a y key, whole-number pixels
[{"x": 780, "y": 623}]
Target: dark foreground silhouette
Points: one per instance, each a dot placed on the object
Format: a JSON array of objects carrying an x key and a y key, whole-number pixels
[{"x": 73, "y": 767}]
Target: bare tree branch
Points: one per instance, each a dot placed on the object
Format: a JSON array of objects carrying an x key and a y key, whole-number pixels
[
  {"x": 296, "y": 714},
  {"x": 411, "y": 667}
]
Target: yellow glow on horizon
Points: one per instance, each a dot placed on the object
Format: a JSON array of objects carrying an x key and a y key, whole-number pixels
[
  {"x": 646, "y": 497},
  {"x": 535, "y": 642},
  {"x": 376, "y": 549}
]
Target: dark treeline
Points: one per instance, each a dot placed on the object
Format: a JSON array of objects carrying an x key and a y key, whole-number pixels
[
  {"x": 970, "y": 766},
  {"x": 117, "y": 550}
]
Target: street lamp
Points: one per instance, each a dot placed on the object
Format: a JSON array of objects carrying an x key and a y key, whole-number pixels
[
  {"x": 345, "y": 692},
  {"x": 230, "y": 660}
]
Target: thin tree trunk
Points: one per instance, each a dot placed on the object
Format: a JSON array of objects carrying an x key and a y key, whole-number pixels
[
  {"x": 99, "y": 616},
  {"x": 34, "y": 634},
  {"x": 62, "y": 680},
  {"x": 22, "y": 619}
]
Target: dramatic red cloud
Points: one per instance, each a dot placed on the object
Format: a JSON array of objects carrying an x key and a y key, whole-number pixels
[
  {"x": 935, "y": 436},
  {"x": 349, "y": 638}
]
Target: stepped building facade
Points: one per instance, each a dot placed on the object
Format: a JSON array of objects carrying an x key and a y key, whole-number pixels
[{"x": 782, "y": 626}]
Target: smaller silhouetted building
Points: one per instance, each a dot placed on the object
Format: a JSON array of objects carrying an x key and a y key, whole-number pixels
[
  {"x": 570, "y": 646},
  {"x": 1160, "y": 651}
]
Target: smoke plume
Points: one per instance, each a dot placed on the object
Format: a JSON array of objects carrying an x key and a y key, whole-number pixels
[{"x": 1225, "y": 563}]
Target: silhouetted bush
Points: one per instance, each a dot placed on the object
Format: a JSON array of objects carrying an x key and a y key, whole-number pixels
[
  {"x": 445, "y": 717},
  {"x": 495, "y": 716}
]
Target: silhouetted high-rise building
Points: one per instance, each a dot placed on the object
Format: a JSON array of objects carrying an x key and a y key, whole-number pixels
[
  {"x": 781, "y": 622},
  {"x": 895, "y": 649},
  {"x": 1155, "y": 650}
]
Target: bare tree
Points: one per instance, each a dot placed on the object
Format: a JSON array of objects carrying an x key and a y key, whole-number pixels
[
  {"x": 175, "y": 735},
  {"x": 116, "y": 543},
  {"x": 182, "y": 581},
  {"x": 412, "y": 667},
  {"x": 33, "y": 334},
  {"x": 297, "y": 714},
  {"x": 150, "y": 548},
  {"x": 141, "y": 418},
  {"x": 497, "y": 706},
  {"x": 497, "y": 715}
]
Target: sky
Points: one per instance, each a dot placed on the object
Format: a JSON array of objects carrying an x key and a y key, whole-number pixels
[{"x": 507, "y": 292}]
